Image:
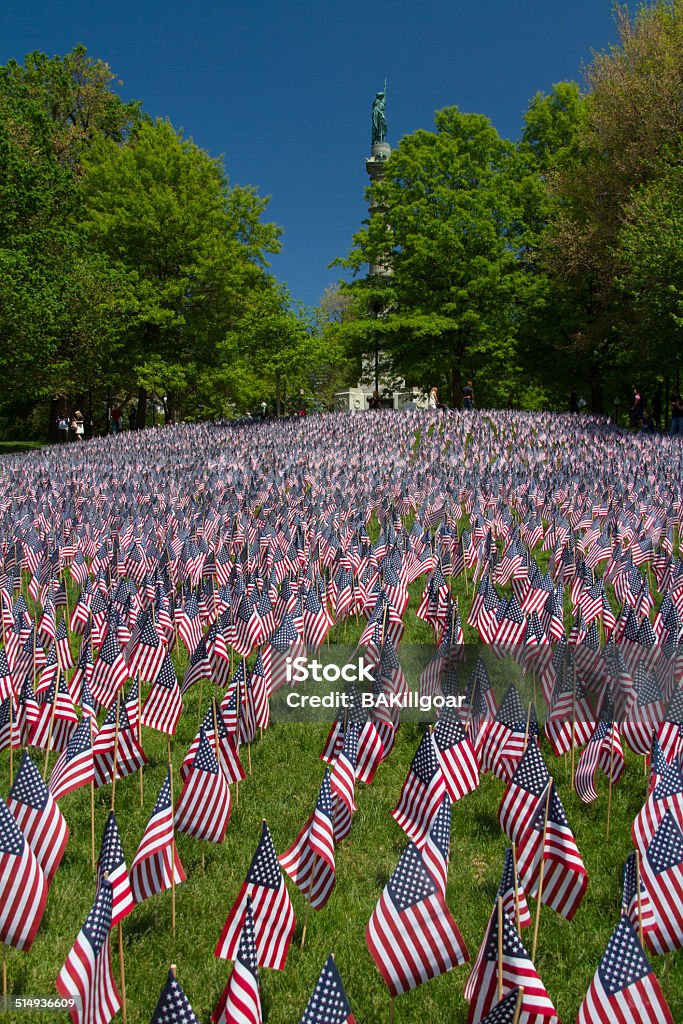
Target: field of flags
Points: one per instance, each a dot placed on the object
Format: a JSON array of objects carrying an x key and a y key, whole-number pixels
[{"x": 170, "y": 849}]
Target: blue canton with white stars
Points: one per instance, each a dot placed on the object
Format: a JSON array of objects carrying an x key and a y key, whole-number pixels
[
  {"x": 410, "y": 883},
  {"x": 623, "y": 962},
  {"x": 28, "y": 787},
  {"x": 328, "y": 1003}
]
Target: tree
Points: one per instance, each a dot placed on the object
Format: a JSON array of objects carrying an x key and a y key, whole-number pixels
[
  {"x": 194, "y": 248},
  {"x": 74, "y": 96},
  {"x": 627, "y": 140},
  {"x": 548, "y": 323},
  {"x": 58, "y": 305},
  {"x": 650, "y": 254},
  {"x": 448, "y": 221}
]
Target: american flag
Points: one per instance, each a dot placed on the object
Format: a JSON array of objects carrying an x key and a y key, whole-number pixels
[
  {"x": 513, "y": 896},
  {"x": 501, "y": 743},
  {"x": 146, "y": 651},
  {"x": 110, "y": 672},
  {"x": 510, "y": 627},
  {"x": 518, "y": 972},
  {"x": 6, "y": 688},
  {"x": 74, "y": 767},
  {"x": 199, "y": 666},
  {"x": 173, "y": 1006},
  {"x": 271, "y": 907},
  {"x": 286, "y": 642},
  {"x": 228, "y": 758},
  {"x": 309, "y": 861},
  {"x": 670, "y": 731},
  {"x": 507, "y": 1011},
  {"x": 23, "y": 888},
  {"x": 422, "y": 793},
  {"x": 437, "y": 849},
  {"x": 624, "y": 987},
  {"x": 84, "y": 671},
  {"x": 521, "y": 798},
  {"x": 248, "y": 627},
  {"x": 343, "y": 784},
  {"x": 370, "y": 747},
  {"x": 328, "y": 1003},
  {"x": 635, "y": 904},
  {"x": 241, "y": 997},
  {"x": 112, "y": 865},
  {"x": 643, "y": 710},
  {"x": 411, "y": 935},
  {"x": 456, "y": 756},
  {"x": 9, "y": 728},
  {"x": 36, "y": 813},
  {"x": 564, "y": 876},
  {"x": 260, "y": 681},
  {"x": 87, "y": 976},
  {"x": 317, "y": 622},
  {"x": 204, "y": 804},
  {"x": 189, "y": 623},
  {"x": 603, "y": 750},
  {"x": 57, "y": 719},
  {"x": 164, "y": 703},
  {"x": 116, "y": 742},
  {"x": 667, "y": 795},
  {"x": 157, "y": 856},
  {"x": 662, "y": 874}
]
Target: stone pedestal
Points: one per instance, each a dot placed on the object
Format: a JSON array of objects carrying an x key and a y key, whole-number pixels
[{"x": 374, "y": 164}]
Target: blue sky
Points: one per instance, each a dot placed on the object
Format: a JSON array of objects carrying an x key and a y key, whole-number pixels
[{"x": 283, "y": 90}]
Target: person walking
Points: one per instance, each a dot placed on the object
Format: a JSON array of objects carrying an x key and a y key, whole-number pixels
[
  {"x": 468, "y": 396},
  {"x": 63, "y": 428},
  {"x": 78, "y": 425},
  {"x": 636, "y": 410},
  {"x": 676, "y": 415},
  {"x": 435, "y": 402},
  {"x": 116, "y": 419}
]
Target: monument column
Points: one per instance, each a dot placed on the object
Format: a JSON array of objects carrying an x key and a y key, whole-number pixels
[{"x": 380, "y": 151}]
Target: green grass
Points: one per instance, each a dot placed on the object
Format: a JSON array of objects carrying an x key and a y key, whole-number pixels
[
  {"x": 7, "y": 447},
  {"x": 283, "y": 788}
]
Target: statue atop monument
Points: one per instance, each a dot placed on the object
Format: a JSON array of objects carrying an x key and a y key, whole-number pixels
[{"x": 379, "y": 120}]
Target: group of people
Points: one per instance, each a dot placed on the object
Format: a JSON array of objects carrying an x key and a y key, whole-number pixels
[
  {"x": 648, "y": 421},
  {"x": 467, "y": 398},
  {"x": 75, "y": 426},
  {"x": 117, "y": 419}
]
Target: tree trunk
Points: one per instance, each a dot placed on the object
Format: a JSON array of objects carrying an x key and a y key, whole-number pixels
[
  {"x": 172, "y": 407},
  {"x": 57, "y": 407},
  {"x": 597, "y": 396},
  {"x": 141, "y": 418},
  {"x": 456, "y": 385}
]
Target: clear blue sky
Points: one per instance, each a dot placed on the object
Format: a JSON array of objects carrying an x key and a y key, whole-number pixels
[{"x": 283, "y": 89}]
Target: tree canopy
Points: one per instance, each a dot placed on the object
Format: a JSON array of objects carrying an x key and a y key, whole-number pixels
[
  {"x": 129, "y": 264},
  {"x": 451, "y": 221}
]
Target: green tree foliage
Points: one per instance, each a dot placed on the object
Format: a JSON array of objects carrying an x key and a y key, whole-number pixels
[
  {"x": 650, "y": 254},
  {"x": 73, "y": 95},
  {"x": 57, "y": 301},
  {"x": 628, "y": 140},
  {"x": 191, "y": 249},
  {"x": 546, "y": 338},
  {"x": 448, "y": 220},
  {"x": 128, "y": 264}
]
